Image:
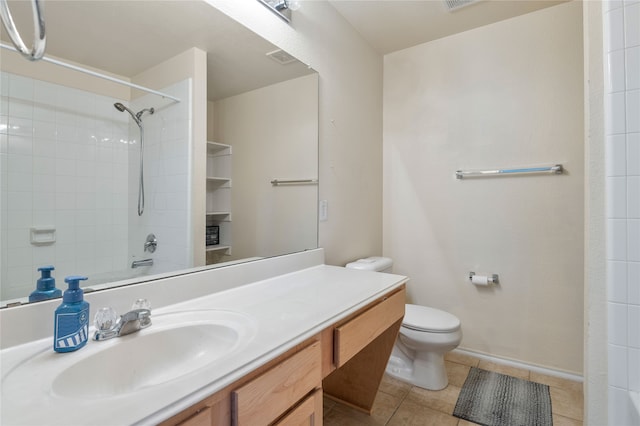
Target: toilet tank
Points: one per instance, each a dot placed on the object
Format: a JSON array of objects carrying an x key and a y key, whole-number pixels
[{"x": 375, "y": 263}]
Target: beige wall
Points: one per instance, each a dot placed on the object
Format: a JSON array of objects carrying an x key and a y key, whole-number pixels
[
  {"x": 504, "y": 95},
  {"x": 350, "y": 124},
  {"x": 273, "y": 132}
]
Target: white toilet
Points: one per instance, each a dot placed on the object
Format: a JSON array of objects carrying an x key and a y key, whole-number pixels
[{"x": 426, "y": 335}]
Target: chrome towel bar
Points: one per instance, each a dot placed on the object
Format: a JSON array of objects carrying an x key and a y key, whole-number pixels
[
  {"x": 555, "y": 169},
  {"x": 278, "y": 182}
]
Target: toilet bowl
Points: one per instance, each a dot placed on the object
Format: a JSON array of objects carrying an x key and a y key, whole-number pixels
[{"x": 425, "y": 336}]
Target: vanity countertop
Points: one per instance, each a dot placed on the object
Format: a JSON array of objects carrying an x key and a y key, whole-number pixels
[{"x": 283, "y": 311}]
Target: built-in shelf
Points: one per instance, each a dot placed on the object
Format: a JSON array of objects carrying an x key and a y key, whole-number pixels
[
  {"x": 219, "y": 199},
  {"x": 214, "y": 148},
  {"x": 220, "y": 214},
  {"x": 217, "y": 179},
  {"x": 217, "y": 248}
]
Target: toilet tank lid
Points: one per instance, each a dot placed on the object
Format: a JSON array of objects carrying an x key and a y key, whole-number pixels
[
  {"x": 374, "y": 263},
  {"x": 423, "y": 318}
]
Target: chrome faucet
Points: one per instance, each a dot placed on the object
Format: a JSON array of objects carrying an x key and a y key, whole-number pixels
[{"x": 109, "y": 325}]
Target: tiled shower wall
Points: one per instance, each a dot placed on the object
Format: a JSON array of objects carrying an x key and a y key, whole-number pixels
[
  {"x": 64, "y": 156},
  {"x": 69, "y": 161},
  {"x": 622, "y": 127},
  {"x": 167, "y": 148}
]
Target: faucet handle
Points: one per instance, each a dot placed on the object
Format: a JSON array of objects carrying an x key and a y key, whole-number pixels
[
  {"x": 105, "y": 319},
  {"x": 141, "y": 304},
  {"x": 106, "y": 322}
]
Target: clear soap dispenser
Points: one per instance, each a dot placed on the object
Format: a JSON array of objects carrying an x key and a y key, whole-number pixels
[{"x": 71, "y": 328}]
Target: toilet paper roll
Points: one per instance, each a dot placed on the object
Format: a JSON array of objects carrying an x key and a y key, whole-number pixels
[{"x": 480, "y": 280}]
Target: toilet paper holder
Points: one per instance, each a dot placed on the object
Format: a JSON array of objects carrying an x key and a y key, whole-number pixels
[{"x": 491, "y": 279}]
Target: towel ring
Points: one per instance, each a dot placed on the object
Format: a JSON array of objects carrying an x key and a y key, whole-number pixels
[{"x": 39, "y": 38}]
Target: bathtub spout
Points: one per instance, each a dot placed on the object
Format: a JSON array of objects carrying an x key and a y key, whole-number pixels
[{"x": 144, "y": 262}]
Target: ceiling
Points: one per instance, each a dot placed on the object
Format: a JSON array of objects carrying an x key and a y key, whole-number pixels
[
  {"x": 390, "y": 25},
  {"x": 128, "y": 37}
]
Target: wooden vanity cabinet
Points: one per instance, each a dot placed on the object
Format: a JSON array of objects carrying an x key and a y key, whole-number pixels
[
  {"x": 270, "y": 395},
  {"x": 362, "y": 345},
  {"x": 345, "y": 362}
]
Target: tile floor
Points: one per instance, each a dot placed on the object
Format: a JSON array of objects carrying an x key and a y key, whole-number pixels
[{"x": 400, "y": 404}]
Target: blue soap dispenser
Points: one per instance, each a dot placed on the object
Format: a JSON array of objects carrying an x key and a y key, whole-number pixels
[
  {"x": 45, "y": 286},
  {"x": 71, "y": 327}
]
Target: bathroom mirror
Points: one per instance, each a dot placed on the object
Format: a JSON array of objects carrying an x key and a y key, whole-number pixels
[{"x": 70, "y": 160}]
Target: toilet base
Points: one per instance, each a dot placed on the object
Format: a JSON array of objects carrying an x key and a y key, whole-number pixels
[{"x": 426, "y": 370}]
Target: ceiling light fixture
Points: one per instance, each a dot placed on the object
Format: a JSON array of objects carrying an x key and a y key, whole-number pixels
[{"x": 282, "y": 8}]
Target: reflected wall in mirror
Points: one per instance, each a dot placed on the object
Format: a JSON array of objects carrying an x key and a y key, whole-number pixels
[{"x": 70, "y": 161}]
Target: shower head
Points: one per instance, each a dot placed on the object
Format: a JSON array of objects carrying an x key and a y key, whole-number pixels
[
  {"x": 123, "y": 108},
  {"x": 137, "y": 117}
]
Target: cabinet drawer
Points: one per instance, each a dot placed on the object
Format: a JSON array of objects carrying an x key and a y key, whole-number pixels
[
  {"x": 202, "y": 418},
  {"x": 351, "y": 337},
  {"x": 268, "y": 396},
  {"x": 307, "y": 413}
]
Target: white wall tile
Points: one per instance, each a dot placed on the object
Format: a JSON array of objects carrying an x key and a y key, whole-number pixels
[
  {"x": 619, "y": 407},
  {"x": 4, "y": 84},
  {"x": 21, "y": 108},
  {"x": 616, "y": 119},
  {"x": 615, "y": 30},
  {"x": 617, "y": 282},
  {"x": 618, "y": 366},
  {"x": 18, "y": 181},
  {"x": 633, "y": 240},
  {"x": 617, "y": 324},
  {"x": 633, "y": 111},
  {"x": 20, "y": 127},
  {"x": 633, "y": 154},
  {"x": 20, "y": 87},
  {"x": 633, "y": 282},
  {"x": 632, "y": 25},
  {"x": 633, "y": 197},
  {"x": 21, "y": 145},
  {"x": 617, "y": 239},
  {"x": 632, "y": 72},
  {"x": 44, "y": 129},
  {"x": 616, "y": 189},
  {"x": 608, "y": 5},
  {"x": 634, "y": 369},
  {"x": 633, "y": 339},
  {"x": 44, "y": 147}
]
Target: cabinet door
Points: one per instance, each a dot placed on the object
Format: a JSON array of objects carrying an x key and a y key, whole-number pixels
[
  {"x": 307, "y": 413},
  {"x": 270, "y": 395}
]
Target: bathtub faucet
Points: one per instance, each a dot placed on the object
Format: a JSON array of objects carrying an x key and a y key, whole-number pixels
[{"x": 143, "y": 262}]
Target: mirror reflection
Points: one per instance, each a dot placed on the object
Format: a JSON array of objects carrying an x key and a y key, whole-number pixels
[{"x": 127, "y": 183}]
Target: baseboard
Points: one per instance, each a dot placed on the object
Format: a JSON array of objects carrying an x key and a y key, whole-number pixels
[{"x": 523, "y": 365}]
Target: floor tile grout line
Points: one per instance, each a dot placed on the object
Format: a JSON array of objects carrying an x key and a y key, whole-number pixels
[{"x": 395, "y": 410}]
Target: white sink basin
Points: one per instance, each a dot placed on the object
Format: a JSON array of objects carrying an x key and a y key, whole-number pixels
[{"x": 175, "y": 346}]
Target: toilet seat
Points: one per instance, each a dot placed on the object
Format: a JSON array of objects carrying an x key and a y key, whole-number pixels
[{"x": 423, "y": 318}]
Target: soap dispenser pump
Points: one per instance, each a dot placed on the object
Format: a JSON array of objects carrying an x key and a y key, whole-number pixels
[
  {"x": 71, "y": 328},
  {"x": 45, "y": 286}
]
